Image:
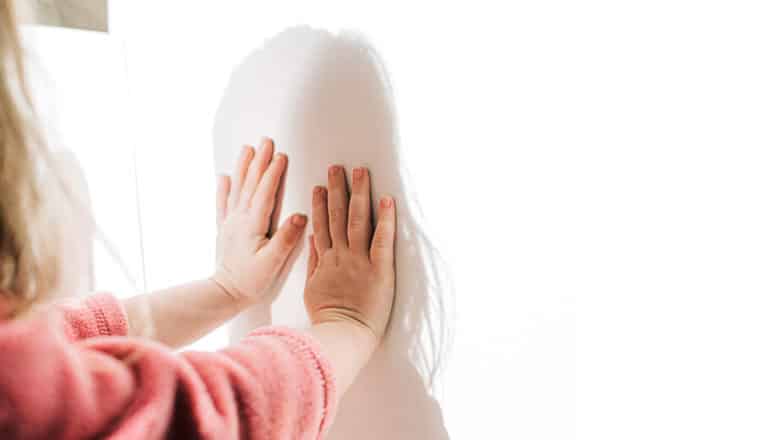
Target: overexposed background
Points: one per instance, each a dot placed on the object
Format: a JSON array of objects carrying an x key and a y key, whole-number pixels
[
  {"x": 607, "y": 160},
  {"x": 511, "y": 373}
]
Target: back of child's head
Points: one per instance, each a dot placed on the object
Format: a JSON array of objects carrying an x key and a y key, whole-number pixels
[{"x": 28, "y": 238}]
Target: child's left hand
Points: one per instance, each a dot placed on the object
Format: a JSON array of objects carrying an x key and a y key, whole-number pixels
[{"x": 248, "y": 260}]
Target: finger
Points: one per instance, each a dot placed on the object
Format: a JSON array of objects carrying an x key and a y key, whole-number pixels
[
  {"x": 257, "y": 168},
  {"x": 360, "y": 216},
  {"x": 277, "y": 209},
  {"x": 383, "y": 242},
  {"x": 223, "y": 190},
  {"x": 247, "y": 153},
  {"x": 320, "y": 213},
  {"x": 338, "y": 206},
  {"x": 312, "y": 260},
  {"x": 264, "y": 200},
  {"x": 285, "y": 240}
]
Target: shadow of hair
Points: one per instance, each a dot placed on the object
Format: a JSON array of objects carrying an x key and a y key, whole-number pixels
[{"x": 349, "y": 75}]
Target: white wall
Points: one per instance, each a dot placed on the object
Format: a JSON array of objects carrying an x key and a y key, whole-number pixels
[
  {"x": 469, "y": 115},
  {"x": 601, "y": 159},
  {"x": 80, "y": 86}
]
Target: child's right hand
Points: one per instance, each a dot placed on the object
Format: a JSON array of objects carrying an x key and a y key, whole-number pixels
[{"x": 351, "y": 274}]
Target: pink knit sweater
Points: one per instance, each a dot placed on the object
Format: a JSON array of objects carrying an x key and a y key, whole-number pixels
[{"x": 73, "y": 374}]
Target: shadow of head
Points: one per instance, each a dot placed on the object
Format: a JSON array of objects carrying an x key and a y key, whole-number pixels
[
  {"x": 348, "y": 117},
  {"x": 327, "y": 99},
  {"x": 329, "y": 96}
]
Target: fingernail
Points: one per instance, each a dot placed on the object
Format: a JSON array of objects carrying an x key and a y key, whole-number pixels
[
  {"x": 281, "y": 156},
  {"x": 299, "y": 220},
  {"x": 334, "y": 170},
  {"x": 266, "y": 141},
  {"x": 247, "y": 149},
  {"x": 358, "y": 174},
  {"x": 319, "y": 191},
  {"x": 386, "y": 202}
]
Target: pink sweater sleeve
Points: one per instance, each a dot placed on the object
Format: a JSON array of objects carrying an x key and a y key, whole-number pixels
[
  {"x": 95, "y": 315},
  {"x": 273, "y": 385}
]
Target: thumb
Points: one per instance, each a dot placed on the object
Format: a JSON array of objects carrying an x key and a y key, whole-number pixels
[
  {"x": 381, "y": 252},
  {"x": 285, "y": 239}
]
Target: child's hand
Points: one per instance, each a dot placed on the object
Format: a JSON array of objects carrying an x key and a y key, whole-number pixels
[
  {"x": 248, "y": 261},
  {"x": 351, "y": 275}
]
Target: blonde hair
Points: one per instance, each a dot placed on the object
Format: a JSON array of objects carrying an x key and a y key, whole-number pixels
[{"x": 29, "y": 264}]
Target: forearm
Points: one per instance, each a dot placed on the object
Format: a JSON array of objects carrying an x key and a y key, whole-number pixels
[
  {"x": 181, "y": 314},
  {"x": 348, "y": 348}
]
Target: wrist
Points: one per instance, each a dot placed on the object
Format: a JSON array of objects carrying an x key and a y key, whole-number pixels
[
  {"x": 350, "y": 317},
  {"x": 347, "y": 346},
  {"x": 355, "y": 331},
  {"x": 224, "y": 287}
]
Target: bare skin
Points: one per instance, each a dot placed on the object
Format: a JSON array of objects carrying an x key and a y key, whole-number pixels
[
  {"x": 351, "y": 275},
  {"x": 248, "y": 261},
  {"x": 350, "y": 272}
]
